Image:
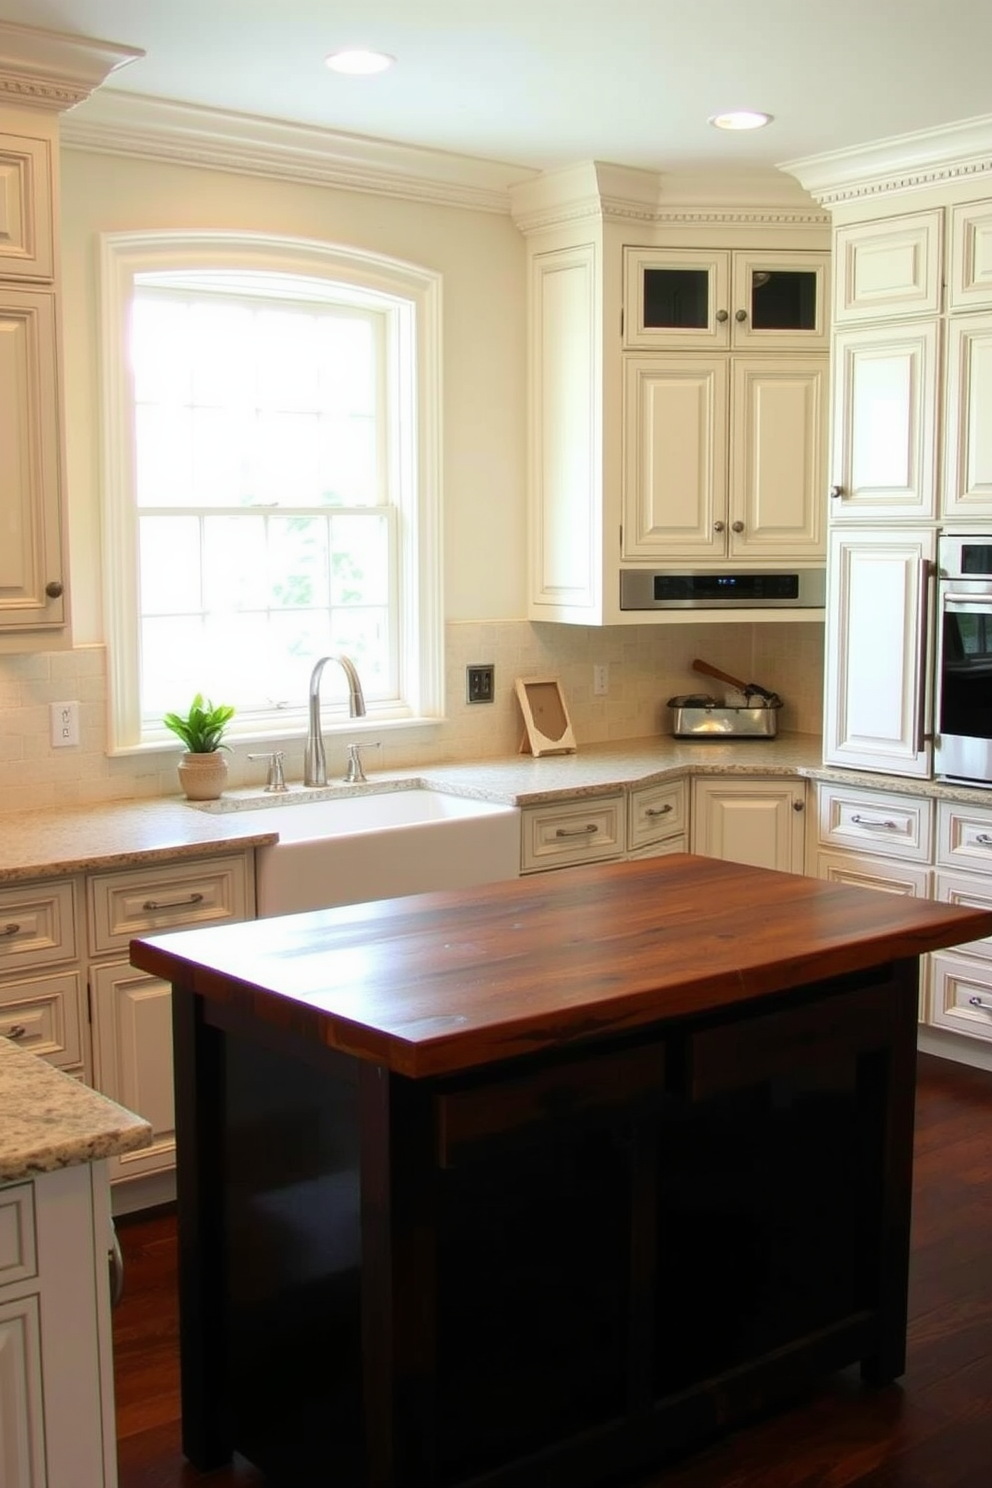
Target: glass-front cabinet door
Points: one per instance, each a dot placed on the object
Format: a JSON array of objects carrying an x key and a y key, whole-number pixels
[{"x": 700, "y": 299}]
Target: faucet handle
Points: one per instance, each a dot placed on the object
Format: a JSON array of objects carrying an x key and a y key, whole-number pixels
[
  {"x": 355, "y": 774},
  {"x": 275, "y": 780}
]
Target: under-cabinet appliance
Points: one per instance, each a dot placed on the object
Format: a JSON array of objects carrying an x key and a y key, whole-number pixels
[
  {"x": 670, "y": 589},
  {"x": 963, "y": 676}
]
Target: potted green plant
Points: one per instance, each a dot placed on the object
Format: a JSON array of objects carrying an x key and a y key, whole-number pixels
[{"x": 202, "y": 769}]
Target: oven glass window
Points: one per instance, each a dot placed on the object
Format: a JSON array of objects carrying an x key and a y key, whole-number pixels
[
  {"x": 976, "y": 558},
  {"x": 966, "y": 676}
]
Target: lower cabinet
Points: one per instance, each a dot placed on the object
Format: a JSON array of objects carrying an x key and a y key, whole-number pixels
[
  {"x": 56, "y": 1372},
  {"x": 758, "y": 821},
  {"x": 643, "y": 822},
  {"x": 131, "y": 1013}
]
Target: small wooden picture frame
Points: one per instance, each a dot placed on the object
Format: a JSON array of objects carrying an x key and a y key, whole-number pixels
[{"x": 548, "y": 729}]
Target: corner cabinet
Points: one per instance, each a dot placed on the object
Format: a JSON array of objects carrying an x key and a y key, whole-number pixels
[
  {"x": 757, "y": 821},
  {"x": 33, "y": 553},
  {"x": 678, "y": 389}
]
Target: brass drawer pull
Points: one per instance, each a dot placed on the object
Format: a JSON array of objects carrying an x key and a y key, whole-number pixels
[
  {"x": 657, "y": 810},
  {"x": 16, "y": 1031},
  {"x": 10, "y": 929},
  {"x": 151, "y": 905},
  {"x": 585, "y": 831},
  {"x": 874, "y": 821}
]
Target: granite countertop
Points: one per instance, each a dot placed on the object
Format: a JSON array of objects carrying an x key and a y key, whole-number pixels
[
  {"x": 39, "y": 844},
  {"x": 48, "y": 1120}
]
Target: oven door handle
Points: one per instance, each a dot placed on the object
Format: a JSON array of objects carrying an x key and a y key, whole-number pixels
[
  {"x": 983, "y": 600},
  {"x": 926, "y": 702}
]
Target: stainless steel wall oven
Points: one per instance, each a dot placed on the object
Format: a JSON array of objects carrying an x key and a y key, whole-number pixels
[{"x": 963, "y": 677}]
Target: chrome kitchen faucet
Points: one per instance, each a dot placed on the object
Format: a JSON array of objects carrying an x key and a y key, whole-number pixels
[{"x": 314, "y": 759}]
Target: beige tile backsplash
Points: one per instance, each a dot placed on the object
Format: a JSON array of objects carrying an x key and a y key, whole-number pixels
[{"x": 646, "y": 665}]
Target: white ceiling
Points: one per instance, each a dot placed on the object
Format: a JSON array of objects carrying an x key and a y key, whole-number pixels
[{"x": 545, "y": 83}]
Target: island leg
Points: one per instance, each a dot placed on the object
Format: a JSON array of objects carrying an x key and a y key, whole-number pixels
[{"x": 198, "y": 1054}]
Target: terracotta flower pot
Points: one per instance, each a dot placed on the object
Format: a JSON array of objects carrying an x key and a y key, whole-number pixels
[{"x": 203, "y": 776}]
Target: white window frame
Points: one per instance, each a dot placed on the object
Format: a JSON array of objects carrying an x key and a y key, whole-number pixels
[{"x": 414, "y": 370}]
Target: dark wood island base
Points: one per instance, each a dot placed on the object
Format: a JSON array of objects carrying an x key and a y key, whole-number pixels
[{"x": 537, "y": 1183}]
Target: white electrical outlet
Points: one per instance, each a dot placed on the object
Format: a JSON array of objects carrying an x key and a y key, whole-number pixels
[
  {"x": 65, "y": 724},
  {"x": 600, "y": 679}
]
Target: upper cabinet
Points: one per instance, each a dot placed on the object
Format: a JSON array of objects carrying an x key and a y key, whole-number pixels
[
  {"x": 700, "y": 300},
  {"x": 970, "y": 270},
  {"x": 52, "y": 72},
  {"x": 888, "y": 268},
  {"x": 677, "y": 389}
]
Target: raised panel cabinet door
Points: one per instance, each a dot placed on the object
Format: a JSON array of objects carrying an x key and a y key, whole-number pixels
[
  {"x": 27, "y": 241},
  {"x": 778, "y": 464},
  {"x": 888, "y": 268},
  {"x": 884, "y": 421},
  {"x": 675, "y": 457},
  {"x": 970, "y": 272},
  {"x": 132, "y": 1059},
  {"x": 877, "y": 651},
  {"x": 967, "y": 488},
  {"x": 758, "y": 822},
  {"x": 32, "y": 567},
  {"x": 565, "y": 477},
  {"x": 22, "y": 1419}
]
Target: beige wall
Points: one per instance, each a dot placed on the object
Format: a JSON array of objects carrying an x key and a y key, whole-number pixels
[{"x": 481, "y": 256}]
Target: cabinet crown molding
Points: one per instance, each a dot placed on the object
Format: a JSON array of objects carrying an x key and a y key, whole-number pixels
[
  {"x": 904, "y": 162},
  {"x": 53, "y": 70}
]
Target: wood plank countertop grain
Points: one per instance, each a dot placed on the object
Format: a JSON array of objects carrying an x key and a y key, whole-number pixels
[{"x": 437, "y": 984}]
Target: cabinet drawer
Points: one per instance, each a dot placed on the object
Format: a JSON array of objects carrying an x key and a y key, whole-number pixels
[
  {"x": 970, "y": 892},
  {"x": 960, "y": 994},
  {"x": 867, "y": 872},
  {"x": 964, "y": 837},
  {"x": 655, "y": 812},
  {"x": 123, "y": 905},
  {"x": 43, "y": 1015},
  {"x": 37, "y": 925},
  {"x": 573, "y": 832},
  {"x": 894, "y": 825},
  {"x": 18, "y": 1253}
]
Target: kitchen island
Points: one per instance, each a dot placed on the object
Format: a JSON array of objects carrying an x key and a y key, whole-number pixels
[{"x": 538, "y": 1182}]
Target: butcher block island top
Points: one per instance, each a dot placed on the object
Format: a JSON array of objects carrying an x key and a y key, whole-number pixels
[
  {"x": 537, "y": 1184},
  {"x": 438, "y": 983}
]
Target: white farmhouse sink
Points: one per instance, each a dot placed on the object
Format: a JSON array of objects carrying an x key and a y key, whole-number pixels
[{"x": 380, "y": 845}]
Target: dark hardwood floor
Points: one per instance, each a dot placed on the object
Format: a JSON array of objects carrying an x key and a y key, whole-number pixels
[{"x": 933, "y": 1430}]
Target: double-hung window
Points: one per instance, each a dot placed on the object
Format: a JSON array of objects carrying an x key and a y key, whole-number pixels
[{"x": 272, "y": 491}]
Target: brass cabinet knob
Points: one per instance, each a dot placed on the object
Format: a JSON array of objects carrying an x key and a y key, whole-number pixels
[
  {"x": 722, "y": 315},
  {"x": 737, "y": 526},
  {"x": 719, "y": 526},
  {"x": 836, "y": 492},
  {"x": 798, "y": 806},
  {"x": 741, "y": 315},
  {"x": 54, "y": 589}
]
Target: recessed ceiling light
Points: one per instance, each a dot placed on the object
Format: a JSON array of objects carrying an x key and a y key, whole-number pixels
[
  {"x": 741, "y": 119},
  {"x": 359, "y": 63}
]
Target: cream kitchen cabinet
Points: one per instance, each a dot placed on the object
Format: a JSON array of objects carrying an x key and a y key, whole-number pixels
[
  {"x": 708, "y": 299},
  {"x": 960, "y": 979},
  {"x": 970, "y": 267},
  {"x": 967, "y": 483},
  {"x": 56, "y": 1369},
  {"x": 33, "y": 557},
  {"x": 724, "y": 458},
  {"x": 645, "y": 821},
  {"x": 751, "y": 820},
  {"x": 132, "y": 1017},
  {"x": 42, "y": 1005},
  {"x": 657, "y": 819},
  {"x": 884, "y": 440},
  {"x": 878, "y": 650},
  {"x": 888, "y": 268}
]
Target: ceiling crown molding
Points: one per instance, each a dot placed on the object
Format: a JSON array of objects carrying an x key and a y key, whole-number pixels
[
  {"x": 52, "y": 70},
  {"x": 620, "y": 193},
  {"x": 906, "y": 162},
  {"x": 114, "y": 122}
]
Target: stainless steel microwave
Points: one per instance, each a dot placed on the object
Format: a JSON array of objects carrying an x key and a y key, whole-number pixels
[{"x": 688, "y": 589}]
